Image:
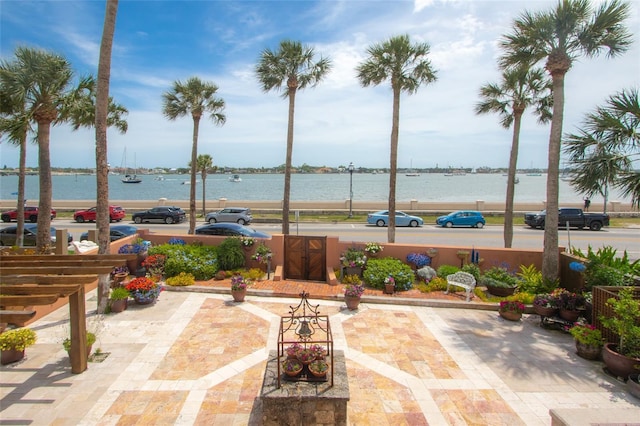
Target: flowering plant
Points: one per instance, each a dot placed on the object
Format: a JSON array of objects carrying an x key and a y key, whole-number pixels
[
  {"x": 291, "y": 365},
  {"x": 354, "y": 290},
  {"x": 305, "y": 356},
  {"x": 511, "y": 306},
  {"x": 247, "y": 241},
  {"x": 353, "y": 258},
  {"x": 177, "y": 241},
  {"x": 418, "y": 259},
  {"x": 138, "y": 247},
  {"x": 17, "y": 339},
  {"x": 568, "y": 300},
  {"x": 319, "y": 366},
  {"x": 293, "y": 349},
  {"x": 155, "y": 264},
  {"x": 318, "y": 350},
  {"x": 119, "y": 270},
  {"x": 238, "y": 282},
  {"x": 390, "y": 280},
  {"x": 587, "y": 334},
  {"x": 373, "y": 248},
  {"x": 545, "y": 301},
  {"x": 143, "y": 287},
  {"x": 262, "y": 254}
]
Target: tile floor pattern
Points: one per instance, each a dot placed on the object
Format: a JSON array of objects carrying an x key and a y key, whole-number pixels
[{"x": 196, "y": 358}]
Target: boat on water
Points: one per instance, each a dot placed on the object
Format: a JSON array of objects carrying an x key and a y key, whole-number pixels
[
  {"x": 411, "y": 173},
  {"x": 235, "y": 178},
  {"x": 129, "y": 177}
]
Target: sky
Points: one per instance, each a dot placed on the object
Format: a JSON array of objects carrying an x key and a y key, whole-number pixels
[{"x": 159, "y": 42}]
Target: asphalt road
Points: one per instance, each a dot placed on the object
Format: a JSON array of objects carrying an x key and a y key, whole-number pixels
[{"x": 490, "y": 236}]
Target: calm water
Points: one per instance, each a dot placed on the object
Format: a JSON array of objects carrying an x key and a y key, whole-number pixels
[{"x": 329, "y": 187}]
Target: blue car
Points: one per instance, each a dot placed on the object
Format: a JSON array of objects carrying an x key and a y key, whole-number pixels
[
  {"x": 470, "y": 218},
  {"x": 381, "y": 218},
  {"x": 228, "y": 229}
]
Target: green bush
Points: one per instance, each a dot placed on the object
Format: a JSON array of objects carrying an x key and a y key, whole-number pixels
[
  {"x": 181, "y": 280},
  {"x": 195, "y": 259},
  {"x": 379, "y": 269},
  {"x": 531, "y": 281},
  {"x": 230, "y": 254},
  {"x": 445, "y": 270},
  {"x": 488, "y": 281},
  {"x": 501, "y": 274},
  {"x": 351, "y": 279},
  {"x": 436, "y": 284},
  {"x": 473, "y": 269}
]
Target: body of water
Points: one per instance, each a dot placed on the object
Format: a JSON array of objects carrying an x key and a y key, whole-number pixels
[{"x": 304, "y": 187}]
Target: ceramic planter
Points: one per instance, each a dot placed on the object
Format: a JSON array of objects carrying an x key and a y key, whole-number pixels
[
  {"x": 589, "y": 352},
  {"x": 11, "y": 356},
  {"x": 389, "y": 288},
  {"x": 618, "y": 365},
  {"x": 568, "y": 315},
  {"x": 633, "y": 384},
  {"x": 352, "y": 302},
  {"x": 501, "y": 291},
  {"x": 238, "y": 295},
  {"x": 511, "y": 316}
]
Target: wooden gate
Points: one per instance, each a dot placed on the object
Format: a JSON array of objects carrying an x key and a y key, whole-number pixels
[{"x": 305, "y": 258}]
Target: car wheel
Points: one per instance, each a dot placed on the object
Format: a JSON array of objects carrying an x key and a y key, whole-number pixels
[
  {"x": 6, "y": 218},
  {"x": 33, "y": 218},
  {"x": 137, "y": 219},
  {"x": 110, "y": 219},
  {"x": 413, "y": 223},
  {"x": 542, "y": 225},
  {"x": 241, "y": 222},
  {"x": 168, "y": 220},
  {"x": 80, "y": 219},
  {"x": 212, "y": 221},
  {"x": 448, "y": 225},
  {"x": 380, "y": 222},
  {"x": 479, "y": 225},
  {"x": 595, "y": 226}
]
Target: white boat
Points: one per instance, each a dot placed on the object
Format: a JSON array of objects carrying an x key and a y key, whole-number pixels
[
  {"x": 129, "y": 177},
  {"x": 411, "y": 173},
  {"x": 235, "y": 178},
  {"x": 158, "y": 178}
]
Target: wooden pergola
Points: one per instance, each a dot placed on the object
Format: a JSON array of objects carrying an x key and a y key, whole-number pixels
[{"x": 37, "y": 280}]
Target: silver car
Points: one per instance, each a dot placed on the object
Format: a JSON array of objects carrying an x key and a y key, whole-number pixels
[{"x": 240, "y": 215}]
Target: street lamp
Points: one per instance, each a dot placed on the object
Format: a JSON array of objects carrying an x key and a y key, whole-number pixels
[{"x": 351, "y": 168}]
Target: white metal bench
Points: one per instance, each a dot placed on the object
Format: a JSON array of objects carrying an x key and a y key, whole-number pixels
[{"x": 462, "y": 279}]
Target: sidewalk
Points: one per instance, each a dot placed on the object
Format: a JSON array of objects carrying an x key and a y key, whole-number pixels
[{"x": 196, "y": 357}]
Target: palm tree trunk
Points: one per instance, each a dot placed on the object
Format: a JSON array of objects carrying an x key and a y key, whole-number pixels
[
  {"x": 511, "y": 180},
  {"x": 43, "y": 236},
  {"x": 21, "y": 185},
  {"x": 204, "y": 192},
  {"x": 102, "y": 169},
  {"x": 287, "y": 167},
  {"x": 194, "y": 166},
  {"x": 393, "y": 166},
  {"x": 551, "y": 257}
]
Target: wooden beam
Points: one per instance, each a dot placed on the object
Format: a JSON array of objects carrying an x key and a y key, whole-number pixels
[
  {"x": 62, "y": 262},
  {"x": 39, "y": 257},
  {"x": 47, "y": 279},
  {"x": 41, "y": 299},
  {"x": 16, "y": 317},
  {"x": 57, "y": 270},
  {"x": 62, "y": 290}
]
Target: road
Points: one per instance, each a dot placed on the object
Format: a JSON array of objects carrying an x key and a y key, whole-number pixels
[{"x": 490, "y": 236}]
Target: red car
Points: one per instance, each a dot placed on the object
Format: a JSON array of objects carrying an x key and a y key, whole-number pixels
[
  {"x": 30, "y": 214},
  {"x": 116, "y": 214}
]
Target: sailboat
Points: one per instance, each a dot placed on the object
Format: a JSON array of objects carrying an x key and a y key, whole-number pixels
[
  {"x": 411, "y": 173},
  {"x": 128, "y": 177}
]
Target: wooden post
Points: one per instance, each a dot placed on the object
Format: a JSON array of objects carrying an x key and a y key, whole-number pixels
[
  {"x": 78, "y": 322},
  {"x": 62, "y": 244}
]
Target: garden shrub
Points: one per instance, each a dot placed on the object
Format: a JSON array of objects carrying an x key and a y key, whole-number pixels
[
  {"x": 436, "y": 284},
  {"x": 198, "y": 260},
  {"x": 501, "y": 274},
  {"x": 379, "y": 269},
  {"x": 531, "y": 281},
  {"x": 473, "y": 269},
  {"x": 351, "y": 279},
  {"x": 426, "y": 273},
  {"x": 182, "y": 279},
  {"x": 230, "y": 254},
  {"x": 445, "y": 270},
  {"x": 253, "y": 274}
]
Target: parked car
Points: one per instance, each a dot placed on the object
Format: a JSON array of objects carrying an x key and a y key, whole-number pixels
[
  {"x": 8, "y": 235},
  {"x": 30, "y": 214},
  {"x": 230, "y": 230},
  {"x": 241, "y": 215},
  {"x": 470, "y": 218},
  {"x": 166, "y": 214},
  {"x": 381, "y": 218},
  {"x": 576, "y": 218},
  {"x": 115, "y": 232},
  {"x": 116, "y": 214}
]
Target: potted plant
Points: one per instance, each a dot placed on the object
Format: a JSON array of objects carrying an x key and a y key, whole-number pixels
[
  {"x": 372, "y": 249},
  {"x": 119, "y": 274},
  {"x": 319, "y": 368},
  {"x": 262, "y": 255},
  {"x": 118, "y": 298},
  {"x": 154, "y": 264},
  {"x": 143, "y": 290},
  {"x": 545, "y": 305},
  {"x": 14, "y": 342},
  {"x": 511, "y": 310},
  {"x": 353, "y": 260},
  {"x": 319, "y": 351},
  {"x": 305, "y": 356},
  {"x": 499, "y": 281},
  {"x": 239, "y": 286},
  {"x": 292, "y": 367},
  {"x": 389, "y": 285},
  {"x": 569, "y": 303},
  {"x": 622, "y": 358},
  {"x": 247, "y": 243},
  {"x": 91, "y": 339},
  {"x": 633, "y": 383},
  {"x": 140, "y": 248},
  {"x": 588, "y": 340},
  {"x": 292, "y": 350},
  {"x": 353, "y": 291}
]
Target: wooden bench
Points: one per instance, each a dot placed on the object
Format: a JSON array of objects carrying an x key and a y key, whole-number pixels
[{"x": 462, "y": 279}]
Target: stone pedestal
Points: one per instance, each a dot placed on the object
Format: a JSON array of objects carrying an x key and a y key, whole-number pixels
[{"x": 304, "y": 403}]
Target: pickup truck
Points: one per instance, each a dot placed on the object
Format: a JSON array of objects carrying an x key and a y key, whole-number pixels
[{"x": 576, "y": 218}]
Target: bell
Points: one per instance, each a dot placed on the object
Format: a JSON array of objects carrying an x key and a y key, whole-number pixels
[{"x": 304, "y": 330}]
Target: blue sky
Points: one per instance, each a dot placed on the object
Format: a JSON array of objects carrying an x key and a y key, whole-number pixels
[{"x": 159, "y": 42}]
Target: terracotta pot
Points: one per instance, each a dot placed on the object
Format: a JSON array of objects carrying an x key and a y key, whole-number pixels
[
  {"x": 545, "y": 312},
  {"x": 118, "y": 305},
  {"x": 318, "y": 373},
  {"x": 569, "y": 315},
  {"x": 589, "y": 352},
  {"x": 618, "y": 365},
  {"x": 633, "y": 385},
  {"x": 238, "y": 295},
  {"x": 389, "y": 288},
  {"x": 501, "y": 291},
  {"x": 511, "y": 316},
  {"x": 352, "y": 302},
  {"x": 11, "y": 355},
  {"x": 356, "y": 270}
]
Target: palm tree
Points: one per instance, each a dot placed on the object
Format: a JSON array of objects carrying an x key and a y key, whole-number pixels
[
  {"x": 43, "y": 80},
  {"x": 570, "y": 30},
  {"x": 204, "y": 166},
  {"x": 519, "y": 89},
  {"x": 293, "y": 67},
  {"x": 406, "y": 66},
  {"x": 603, "y": 151},
  {"x": 197, "y": 98}
]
